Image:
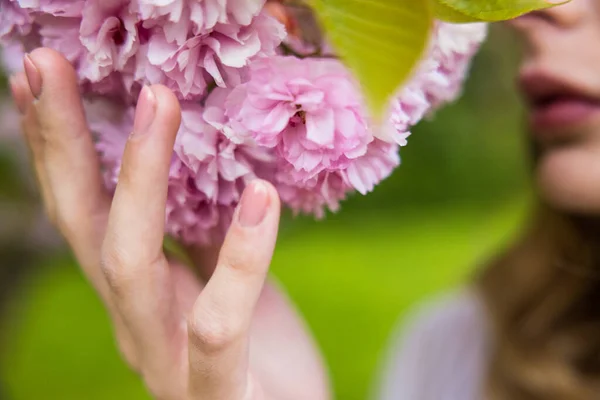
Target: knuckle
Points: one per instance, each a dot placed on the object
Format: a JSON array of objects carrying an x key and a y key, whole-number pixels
[
  {"x": 233, "y": 261},
  {"x": 237, "y": 261},
  {"x": 50, "y": 126},
  {"x": 46, "y": 131},
  {"x": 115, "y": 271},
  {"x": 213, "y": 334},
  {"x": 127, "y": 172},
  {"x": 31, "y": 129},
  {"x": 35, "y": 142}
]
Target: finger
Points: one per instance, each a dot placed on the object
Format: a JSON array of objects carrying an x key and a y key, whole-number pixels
[
  {"x": 133, "y": 261},
  {"x": 21, "y": 94},
  {"x": 221, "y": 317},
  {"x": 24, "y": 99},
  {"x": 66, "y": 157},
  {"x": 67, "y": 166}
]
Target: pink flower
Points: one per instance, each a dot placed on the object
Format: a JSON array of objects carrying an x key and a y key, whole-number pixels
[
  {"x": 407, "y": 110},
  {"x": 437, "y": 80},
  {"x": 328, "y": 189},
  {"x": 247, "y": 112},
  {"x": 206, "y": 15},
  {"x": 242, "y": 11},
  {"x": 57, "y": 8},
  {"x": 12, "y": 56},
  {"x": 190, "y": 215},
  {"x": 454, "y": 48},
  {"x": 117, "y": 86},
  {"x": 10, "y": 121},
  {"x": 14, "y": 20},
  {"x": 172, "y": 10},
  {"x": 365, "y": 172},
  {"x": 172, "y": 16},
  {"x": 180, "y": 19},
  {"x": 322, "y": 192},
  {"x": 309, "y": 110},
  {"x": 220, "y": 166},
  {"x": 110, "y": 123},
  {"x": 218, "y": 56},
  {"x": 208, "y": 176},
  {"x": 109, "y": 33},
  {"x": 62, "y": 35}
]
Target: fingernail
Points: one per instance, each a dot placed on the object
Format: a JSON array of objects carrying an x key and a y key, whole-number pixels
[
  {"x": 144, "y": 112},
  {"x": 17, "y": 94},
  {"x": 254, "y": 204},
  {"x": 33, "y": 76}
]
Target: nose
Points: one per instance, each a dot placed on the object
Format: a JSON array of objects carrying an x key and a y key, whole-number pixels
[{"x": 561, "y": 16}]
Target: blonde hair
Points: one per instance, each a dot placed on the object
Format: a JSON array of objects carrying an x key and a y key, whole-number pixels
[{"x": 543, "y": 298}]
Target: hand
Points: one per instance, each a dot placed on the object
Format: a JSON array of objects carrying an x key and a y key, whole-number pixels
[{"x": 224, "y": 337}]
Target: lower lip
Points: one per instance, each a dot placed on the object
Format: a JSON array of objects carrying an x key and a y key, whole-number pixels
[{"x": 563, "y": 114}]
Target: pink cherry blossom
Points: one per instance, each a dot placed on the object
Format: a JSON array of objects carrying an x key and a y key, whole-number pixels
[
  {"x": 365, "y": 172},
  {"x": 454, "y": 48},
  {"x": 208, "y": 176},
  {"x": 309, "y": 110},
  {"x": 221, "y": 168},
  {"x": 14, "y": 20},
  {"x": 57, "y": 8},
  {"x": 109, "y": 32},
  {"x": 12, "y": 56},
  {"x": 326, "y": 190},
  {"x": 110, "y": 124},
  {"x": 315, "y": 196},
  {"x": 62, "y": 35},
  {"x": 178, "y": 19},
  {"x": 219, "y": 56},
  {"x": 248, "y": 112},
  {"x": 437, "y": 80}
]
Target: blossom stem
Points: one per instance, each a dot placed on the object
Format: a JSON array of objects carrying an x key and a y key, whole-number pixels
[{"x": 289, "y": 51}]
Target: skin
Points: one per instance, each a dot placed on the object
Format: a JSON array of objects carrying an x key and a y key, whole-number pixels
[
  {"x": 213, "y": 331},
  {"x": 222, "y": 333},
  {"x": 559, "y": 44}
]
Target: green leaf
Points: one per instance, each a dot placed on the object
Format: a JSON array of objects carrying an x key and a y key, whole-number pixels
[
  {"x": 494, "y": 10},
  {"x": 449, "y": 14},
  {"x": 380, "y": 40}
]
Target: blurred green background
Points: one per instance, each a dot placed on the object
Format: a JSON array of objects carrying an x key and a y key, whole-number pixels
[{"x": 460, "y": 194}]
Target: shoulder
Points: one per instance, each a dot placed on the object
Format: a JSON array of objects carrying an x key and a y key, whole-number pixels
[
  {"x": 457, "y": 312},
  {"x": 439, "y": 352}
]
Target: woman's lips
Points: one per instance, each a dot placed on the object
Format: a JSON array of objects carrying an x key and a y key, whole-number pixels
[
  {"x": 557, "y": 106},
  {"x": 562, "y": 112}
]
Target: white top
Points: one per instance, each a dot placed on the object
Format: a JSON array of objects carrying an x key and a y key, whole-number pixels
[{"x": 441, "y": 354}]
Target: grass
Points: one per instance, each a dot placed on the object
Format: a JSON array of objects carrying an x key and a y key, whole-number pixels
[{"x": 353, "y": 279}]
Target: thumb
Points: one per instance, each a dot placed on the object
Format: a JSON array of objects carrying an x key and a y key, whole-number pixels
[
  {"x": 250, "y": 241},
  {"x": 221, "y": 318}
]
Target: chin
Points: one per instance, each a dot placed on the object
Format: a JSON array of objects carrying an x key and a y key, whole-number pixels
[{"x": 568, "y": 179}]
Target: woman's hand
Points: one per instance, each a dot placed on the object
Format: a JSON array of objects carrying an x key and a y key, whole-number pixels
[{"x": 224, "y": 337}]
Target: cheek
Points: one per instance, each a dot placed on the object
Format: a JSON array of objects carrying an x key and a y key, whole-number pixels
[{"x": 568, "y": 179}]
